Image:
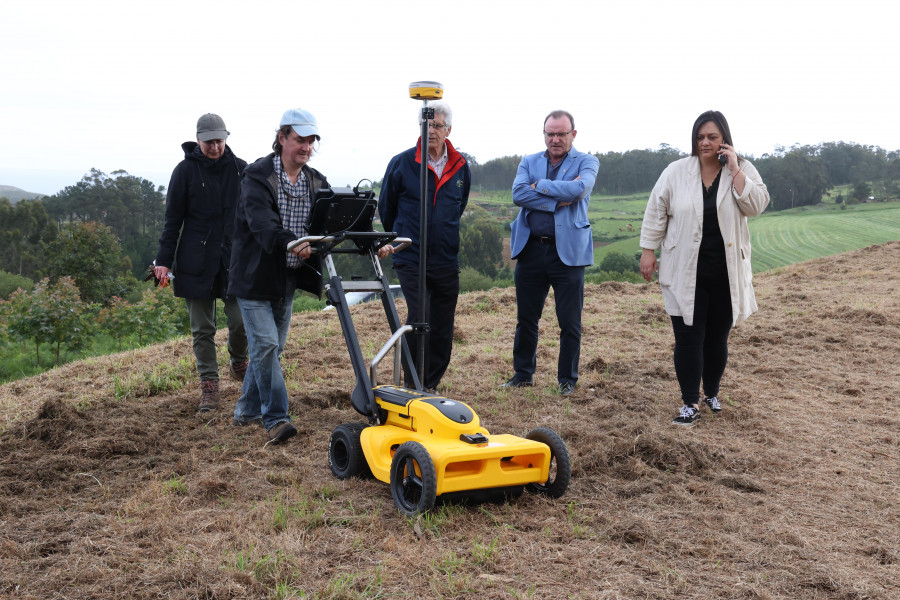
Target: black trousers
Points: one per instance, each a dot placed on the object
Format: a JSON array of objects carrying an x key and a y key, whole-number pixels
[
  {"x": 538, "y": 268},
  {"x": 701, "y": 350},
  {"x": 442, "y": 290}
]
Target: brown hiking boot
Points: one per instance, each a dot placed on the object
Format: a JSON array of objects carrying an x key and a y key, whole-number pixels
[
  {"x": 209, "y": 395},
  {"x": 281, "y": 433},
  {"x": 238, "y": 369}
]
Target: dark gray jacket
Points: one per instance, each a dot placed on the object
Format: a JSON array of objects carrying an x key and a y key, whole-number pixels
[{"x": 258, "y": 259}]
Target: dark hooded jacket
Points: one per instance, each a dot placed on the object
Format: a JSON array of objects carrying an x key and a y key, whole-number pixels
[
  {"x": 195, "y": 243},
  {"x": 259, "y": 259}
]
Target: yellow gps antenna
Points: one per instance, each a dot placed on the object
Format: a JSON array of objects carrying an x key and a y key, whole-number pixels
[{"x": 424, "y": 91}]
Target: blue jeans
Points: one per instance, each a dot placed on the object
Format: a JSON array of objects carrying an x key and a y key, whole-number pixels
[{"x": 264, "y": 394}]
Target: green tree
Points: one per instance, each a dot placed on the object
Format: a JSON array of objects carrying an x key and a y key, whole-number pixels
[
  {"x": 24, "y": 228},
  {"x": 50, "y": 313},
  {"x": 619, "y": 262},
  {"x": 480, "y": 241},
  {"x": 471, "y": 280},
  {"x": 152, "y": 319},
  {"x": 91, "y": 255},
  {"x": 861, "y": 191},
  {"x": 132, "y": 207},
  {"x": 10, "y": 283},
  {"x": 794, "y": 178},
  {"x": 495, "y": 174}
]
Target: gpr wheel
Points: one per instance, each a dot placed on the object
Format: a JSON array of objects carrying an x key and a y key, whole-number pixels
[
  {"x": 345, "y": 453},
  {"x": 413, "y": 479},
  {"x": 560, "y": 464}
]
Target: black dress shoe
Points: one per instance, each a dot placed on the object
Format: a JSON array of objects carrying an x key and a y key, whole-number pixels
[
  {"x": 566, "y": 388},
  {"x": 517, "y": 381}
]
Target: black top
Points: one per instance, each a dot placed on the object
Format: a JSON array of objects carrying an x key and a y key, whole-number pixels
[{"x": 711, "y": 262}]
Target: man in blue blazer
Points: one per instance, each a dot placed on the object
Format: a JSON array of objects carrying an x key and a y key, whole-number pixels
[{"x": 551, "y": 241}]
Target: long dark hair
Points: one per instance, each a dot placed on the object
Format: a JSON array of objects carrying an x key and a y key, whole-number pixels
[
  {"x": 285, "y": 131},
  {"x": 720, "y": 121}
]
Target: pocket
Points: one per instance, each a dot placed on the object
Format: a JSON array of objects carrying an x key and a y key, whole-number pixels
[{"x": 746, "y": 268}]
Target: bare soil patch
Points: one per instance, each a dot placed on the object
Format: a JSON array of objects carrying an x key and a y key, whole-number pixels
[{"x": 111, "y": 487}]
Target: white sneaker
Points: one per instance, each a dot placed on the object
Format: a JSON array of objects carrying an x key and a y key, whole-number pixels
[
  {"x": 688, "y": 416},
  {"x": 713, "y": 404}
]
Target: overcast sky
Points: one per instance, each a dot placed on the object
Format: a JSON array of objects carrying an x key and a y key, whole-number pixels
[{"x": 120, "y": 85}]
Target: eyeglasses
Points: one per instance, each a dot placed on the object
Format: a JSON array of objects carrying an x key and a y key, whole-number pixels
[
  {"x": 437, "y": 126},
  {"x": 558, "y": 136}
]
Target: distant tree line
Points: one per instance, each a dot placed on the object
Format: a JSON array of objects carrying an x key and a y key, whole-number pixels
[
  {"x": 103, "y": 230},
  {"x": 798, "y": 176}
]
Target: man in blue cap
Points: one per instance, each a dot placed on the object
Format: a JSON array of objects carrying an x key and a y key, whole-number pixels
[{"x": 276, "y": 198}]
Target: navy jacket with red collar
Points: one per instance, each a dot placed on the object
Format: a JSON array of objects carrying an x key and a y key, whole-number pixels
[{"x": 399, "y": 205}]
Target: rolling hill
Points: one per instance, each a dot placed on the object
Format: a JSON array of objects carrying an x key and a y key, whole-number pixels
[{"x": 14, "y": 194}]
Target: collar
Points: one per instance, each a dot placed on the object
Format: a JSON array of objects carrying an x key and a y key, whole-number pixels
[{"x": 547, "y": 156}]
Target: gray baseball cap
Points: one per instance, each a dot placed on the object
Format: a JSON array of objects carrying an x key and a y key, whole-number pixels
[{"x": 211, "y": 127}]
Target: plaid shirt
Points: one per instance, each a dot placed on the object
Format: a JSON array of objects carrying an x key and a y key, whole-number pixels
[{"x": 294, "y": 205}]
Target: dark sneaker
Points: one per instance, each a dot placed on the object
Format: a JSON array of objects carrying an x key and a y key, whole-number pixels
[
  {"x": 242, "y": 423},
  {"x": 209, "y": 396},
  {"x": 517, "y": 382},
  {"x": 238, "y": 370},
  {"x": 688, "y": 416},
  {"x": 281, "y": 433},
  {"x": 713, "y": 404},
  {"x": 566, "y": 388}
]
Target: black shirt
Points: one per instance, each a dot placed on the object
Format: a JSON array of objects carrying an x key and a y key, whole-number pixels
[{"x": 711, "y": 262}]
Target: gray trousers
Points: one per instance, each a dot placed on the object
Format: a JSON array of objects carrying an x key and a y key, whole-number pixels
[{"x": 202, "y": 313}]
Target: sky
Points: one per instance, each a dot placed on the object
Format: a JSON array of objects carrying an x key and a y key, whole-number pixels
[{"x": 117, "y": 85}]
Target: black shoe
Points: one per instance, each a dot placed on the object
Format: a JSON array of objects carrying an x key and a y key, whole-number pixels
[
  {"x": 281, "y": 433},
  {"x": 517, "y": 381},
  {"x": 566, "y": 388},
  {"x": 714, "y": 404},
  {"x": 688, "y": 416}
]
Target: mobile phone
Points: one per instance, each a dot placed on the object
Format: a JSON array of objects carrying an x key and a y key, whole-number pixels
[{"x": 723, "y": 160}]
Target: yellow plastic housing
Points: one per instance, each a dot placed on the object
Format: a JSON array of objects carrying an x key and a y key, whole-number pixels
[
  {"x": 426, "y": 90},
  {"x": 504, "y": 460}
]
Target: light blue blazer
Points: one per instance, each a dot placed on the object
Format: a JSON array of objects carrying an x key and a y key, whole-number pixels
[{"x": 573, "y": 230}]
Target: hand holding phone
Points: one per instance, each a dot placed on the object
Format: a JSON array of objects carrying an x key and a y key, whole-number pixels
[{"x": 723, "y": 159}]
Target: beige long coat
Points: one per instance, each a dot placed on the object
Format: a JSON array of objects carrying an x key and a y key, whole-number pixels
[{"x": 674, "y": 221}]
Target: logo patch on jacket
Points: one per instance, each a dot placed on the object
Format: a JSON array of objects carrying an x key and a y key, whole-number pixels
[{"x": 459, "y": 183}]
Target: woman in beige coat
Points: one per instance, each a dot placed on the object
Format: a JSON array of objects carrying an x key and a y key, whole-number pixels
[{"x": 697, "y": 214}]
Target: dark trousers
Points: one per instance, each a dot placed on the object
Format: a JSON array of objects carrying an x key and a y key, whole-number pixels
[
  {"x": 442, "y": 290},
  {"x": 701, "y": 350},
  {"x": 538, "y": 268}
]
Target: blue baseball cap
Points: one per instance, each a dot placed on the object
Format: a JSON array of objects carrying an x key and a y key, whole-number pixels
[{"x": 302, "y": 121}]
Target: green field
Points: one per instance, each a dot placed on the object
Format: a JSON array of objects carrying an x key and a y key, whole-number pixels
[
  {"x": 779, "y": 238},
  {"x": 814, "y": 231}
]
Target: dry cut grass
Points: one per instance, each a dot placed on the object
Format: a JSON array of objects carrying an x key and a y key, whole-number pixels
[{"x": 112, "y": 487}]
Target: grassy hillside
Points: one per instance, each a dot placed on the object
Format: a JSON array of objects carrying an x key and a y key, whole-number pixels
[
  {"x": 111, "y": 486},
  {"x": 800, "y": 234},
  {"x": 779, "y": 238}
]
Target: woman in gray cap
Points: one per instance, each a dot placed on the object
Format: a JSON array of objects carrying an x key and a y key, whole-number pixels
[{"x": 195, "y": 246}]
